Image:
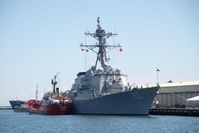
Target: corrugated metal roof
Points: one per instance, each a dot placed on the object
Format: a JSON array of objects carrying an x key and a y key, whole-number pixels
[{"x": 184, "y": 83}]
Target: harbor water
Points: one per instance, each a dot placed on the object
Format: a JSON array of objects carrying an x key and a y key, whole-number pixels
[{"x": 11, "y": 122}]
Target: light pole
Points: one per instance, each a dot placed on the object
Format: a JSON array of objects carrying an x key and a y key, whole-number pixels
[{"x": 158, "y": 70}]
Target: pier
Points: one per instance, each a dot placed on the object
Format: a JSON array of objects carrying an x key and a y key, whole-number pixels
[
  {"x": 175, "y": 111},
  {"x": 5, "y": 107}
]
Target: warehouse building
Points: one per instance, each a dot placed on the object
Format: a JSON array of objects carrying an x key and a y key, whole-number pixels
[{"x": 175, "y": 95}]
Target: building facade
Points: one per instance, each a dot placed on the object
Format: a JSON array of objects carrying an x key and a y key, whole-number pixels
[{"x": 175, "y": 95}]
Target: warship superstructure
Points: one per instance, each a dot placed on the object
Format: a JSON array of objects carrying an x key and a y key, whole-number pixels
[{"x": 103, "y": 89}]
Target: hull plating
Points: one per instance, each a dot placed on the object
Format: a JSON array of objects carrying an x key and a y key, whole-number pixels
[
  {"x": 19, "y": 106},
  {"x": 134, "y": 102},
  {"x": 52, "y": 109}
]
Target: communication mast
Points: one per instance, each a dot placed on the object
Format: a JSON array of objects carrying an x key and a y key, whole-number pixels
[{"x": 100, "y": 35}]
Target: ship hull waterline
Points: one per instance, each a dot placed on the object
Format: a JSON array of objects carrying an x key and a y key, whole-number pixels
[
  {"x": 132, "y": 102},
  {"x": 18, "y": 106},
  {"x": 52, "y": 110}
]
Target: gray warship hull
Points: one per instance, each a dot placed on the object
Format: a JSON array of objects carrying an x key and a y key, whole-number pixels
[
  {"x": 132, "y": 102},
  {"x": 103, "y": 89}
]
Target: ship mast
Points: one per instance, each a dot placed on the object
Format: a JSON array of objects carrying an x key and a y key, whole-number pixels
[
  {"x": 37, "y": 92},
  {"x": 101, "y": 36},
  {"x": 54, "y": 83}
]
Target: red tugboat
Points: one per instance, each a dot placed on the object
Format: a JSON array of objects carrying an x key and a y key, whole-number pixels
[{"x": 53, "y": 103}]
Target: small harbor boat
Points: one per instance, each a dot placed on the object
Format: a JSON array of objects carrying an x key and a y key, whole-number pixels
[
  {"x": 52, "y": 103},
  {"x": 19, "y": 105}
]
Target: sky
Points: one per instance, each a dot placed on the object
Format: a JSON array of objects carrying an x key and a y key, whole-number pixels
[{"x": 40, "y": 38}]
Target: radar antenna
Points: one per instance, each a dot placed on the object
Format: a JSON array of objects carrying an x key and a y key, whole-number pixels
[{"x": 100, "y": 35}]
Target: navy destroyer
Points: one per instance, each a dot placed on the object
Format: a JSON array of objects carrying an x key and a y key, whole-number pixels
[{"x": 103, "y": 89}]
